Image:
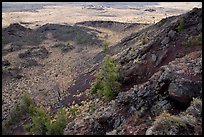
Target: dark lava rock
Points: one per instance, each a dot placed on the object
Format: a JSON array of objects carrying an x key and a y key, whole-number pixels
[
  {"x": 58, "y": 45},
  {"x": 25, "y": 54},
  {"x": 150, "y": 10},
  {"x": 12, "y": 72},
  {"x": 64, "y": 48},
  {"x": 165, "y": 41},
  {"x": 5, "y": 63},
  {"x": 161, "y": 57},
  {"x": 30, "y": 63},
  {"x": 17, "y": 27},
  {"x": 184, "y": 90},
  {"x": 97, "y": 129},
  {"x": 67, "y": 48},
  {"x": 154, "y": 57},
  {"x": 172, "y": 34},
  {"x": 40, "y": 53}
]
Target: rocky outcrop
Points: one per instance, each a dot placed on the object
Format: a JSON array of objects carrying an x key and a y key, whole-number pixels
[
  {"x": 164, "y": 45},
  {"x": 30, "y": 63},
  {"x": 163, "y": 84},
  {"x": 150, "y": 99},
  {"x": 39, "y": 53},
  {"x": 184, "y": 90},
  {"x": 16, "y": 37},
  {"x": 12, "y": 72},
  {"x": 64, "y": 48}
]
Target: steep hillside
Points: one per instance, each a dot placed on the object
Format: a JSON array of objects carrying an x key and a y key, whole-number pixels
[
  {"x": 160, "y": 72},
  {"x": 165, "y": 74}
]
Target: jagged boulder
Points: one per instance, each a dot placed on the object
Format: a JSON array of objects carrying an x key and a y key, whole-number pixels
[
  {"x": 165, "y": 41},
  {"x": 184, "y": 90},
  {"x": 172, "y": 34}
]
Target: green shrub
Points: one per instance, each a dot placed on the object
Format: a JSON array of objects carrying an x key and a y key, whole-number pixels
[
  {"x": 42, "y": 124},
  {"x": 106, "y": 84},
  {"x": 199, "y": 39},
  {"x": 21, "y": 109},
  {"x": 181, "y": 24},
  {"x": 56, "y": 127},
  {"x": 26, "y": 103},
  {"x": 40, "y": 121}
]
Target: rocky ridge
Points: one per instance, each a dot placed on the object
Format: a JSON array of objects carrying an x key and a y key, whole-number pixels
[{"x": 172, "y": 86}]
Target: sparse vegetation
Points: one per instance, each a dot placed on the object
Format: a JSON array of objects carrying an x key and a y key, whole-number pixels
[
  {"x": 196, "y": 101},
  {"x": 137, "y": 60},
  {"x": 106, "y": 84},
  {"x": 181, "y": 25},
  {"x": 40, "y": 121},
  {"x": 57, "y": 125},
  {"x": 192, "y": 41},
  {"x": 42, "y": 124},
  {"x": 199, "y": 39},
  {"x": 166, "y": 123},
  {"x": 21, "y": 111},
  {"x": 73, "y": 110}
]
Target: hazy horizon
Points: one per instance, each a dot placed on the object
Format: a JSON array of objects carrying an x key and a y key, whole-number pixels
[{"x": 24, "y": 6}]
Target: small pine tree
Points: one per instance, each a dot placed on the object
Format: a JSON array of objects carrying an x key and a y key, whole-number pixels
[
  {"x": 40, "y": 120},
  {"x": 26, "y": 103},
  {"x": 42, "y": 124},
  {"x": 180, "y": 26},
  {"x": 106, "y": 84},
  {"x": 56, "y": 127}
]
